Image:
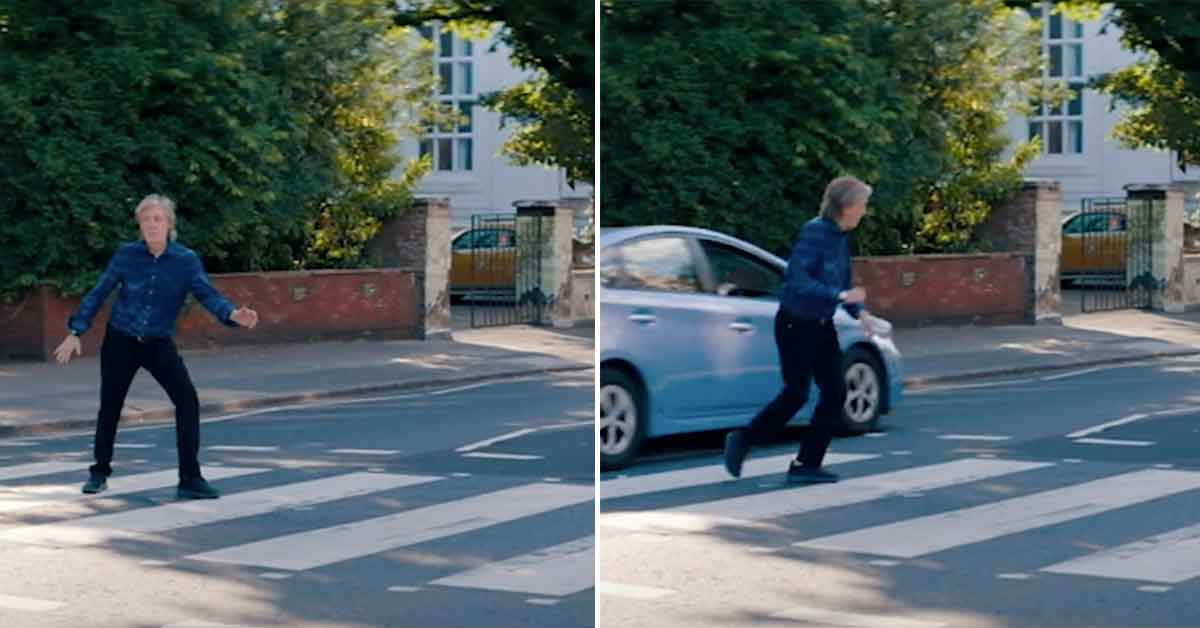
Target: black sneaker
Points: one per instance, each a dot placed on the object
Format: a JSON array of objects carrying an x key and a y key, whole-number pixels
[
  {"x": 96, "y": 482},
  {"x": 735, "y": 452},
  {"x": 800, "y": 474},
  {"x": 196, "y": 488}
]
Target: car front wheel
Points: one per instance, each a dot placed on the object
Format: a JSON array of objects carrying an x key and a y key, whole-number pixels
[{"x": 864, "y": 391}]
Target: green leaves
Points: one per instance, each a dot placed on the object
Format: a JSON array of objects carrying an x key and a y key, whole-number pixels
[{"x": 230, "y": 111}]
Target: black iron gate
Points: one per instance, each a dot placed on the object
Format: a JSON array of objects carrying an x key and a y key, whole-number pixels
[
  {"x": 497, "y": 270},
  {"x": 1108, "y": 252}
]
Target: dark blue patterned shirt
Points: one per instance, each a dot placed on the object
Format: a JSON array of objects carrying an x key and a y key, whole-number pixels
[
  {"x": 818, "y": 270},
  {"x": 153, "y": 291}
]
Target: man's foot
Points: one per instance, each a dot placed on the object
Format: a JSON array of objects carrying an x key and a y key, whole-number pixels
[
  {"x": 736, "y": 446},
  {"x": 800, "y": 474},
  {"x": 96, "y": 482},
  {"x": 196, "y": 488}
]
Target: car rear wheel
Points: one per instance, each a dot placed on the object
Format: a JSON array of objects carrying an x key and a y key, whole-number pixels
[
  {"x": 622, "y": 418},
  {"x": 864, "y": 391}
]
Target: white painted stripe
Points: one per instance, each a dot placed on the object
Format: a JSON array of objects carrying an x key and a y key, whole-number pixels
[
  {"x": 46, "y": 496},
  {"x": 1153, "y": 589},
  {"x": 826, "y": 617},
  {"x": 979, "y": 437},
  {"x": 39, "y": 468},
  {"x": 1114, "y": 441},
  {"x": 204, "y": 624},
  {"x": 705, "y": 516},
  {"x": 316, "y": 548},
  {"x": 935, "y": 533},
  {"x": 492, "y": 456},
  {"x": 366, "y": 452},
  {"x": 1088, "y": 431},
  {"x": 709, "y": 474},
  {"x": 631, "y": 591},
  {"x": 560, "y": 570},
  {"x": 173, "y": 516},
  {"x": 28, "y": 604},
  {"x": 950, "y": 387},
  {"x": 133, "y": 446},
  {"x": 1095, "y": 369},
  {"x": 492, "y": 441},
  {"x": 242, "y": 448},
  {"x": 1168, "y": 558}
]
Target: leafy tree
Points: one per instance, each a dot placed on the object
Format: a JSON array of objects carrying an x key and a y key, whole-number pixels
[{"x": 262, "y": 119}]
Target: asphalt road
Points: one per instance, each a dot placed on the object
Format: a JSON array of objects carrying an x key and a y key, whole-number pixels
[
  {"x": 454, "y": 507},
  {"x": 1071, "y": 499}
]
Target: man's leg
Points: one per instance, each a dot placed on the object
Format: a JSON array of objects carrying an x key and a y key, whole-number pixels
[
  {"x": 118, "y": 365},
  {"x": 794, "y": 342},
  {"x": 827, "y": 372},
  {"x": 168, "y": 369}
]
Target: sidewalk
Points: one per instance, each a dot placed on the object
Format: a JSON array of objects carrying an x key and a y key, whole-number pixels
[
  {"x": 43, "y": 397},
  {"x": 38, "y": 397},
  {"x": 947, "y": 354}
]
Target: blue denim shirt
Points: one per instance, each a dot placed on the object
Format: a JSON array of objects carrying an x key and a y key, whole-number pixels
[
  {"x": 153, "y": 291},
  {"x": 818, "y": 270}
]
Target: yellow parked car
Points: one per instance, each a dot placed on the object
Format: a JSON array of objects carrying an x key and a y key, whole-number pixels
[
  {"x": 1094, "y": 243},
  {"x": 483, "y": 259}
]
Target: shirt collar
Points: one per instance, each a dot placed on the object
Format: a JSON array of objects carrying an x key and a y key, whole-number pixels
[{"x": 172, "y": 248}]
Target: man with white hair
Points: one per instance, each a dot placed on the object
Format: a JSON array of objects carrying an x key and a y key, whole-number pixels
[
  {"x": 155, "y": 275},
  {"x": 818, "y": 280}
]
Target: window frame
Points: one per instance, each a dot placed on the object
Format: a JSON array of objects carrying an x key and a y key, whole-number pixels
[
  {"x": 1071, "y": 127},
  {"x": 461, "y": 142}
]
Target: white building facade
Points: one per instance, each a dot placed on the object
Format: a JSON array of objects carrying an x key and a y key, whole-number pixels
[
  {"x": 1078, "y": 149},
  {"x": 467, "y": 165}
]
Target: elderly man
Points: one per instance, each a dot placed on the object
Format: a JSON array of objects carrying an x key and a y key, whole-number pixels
[
  {"x": 818, "y": 280},
  {"x": 155, "y": 276}
]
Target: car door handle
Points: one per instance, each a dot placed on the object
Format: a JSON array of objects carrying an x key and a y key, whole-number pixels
[
  {"x": 643, "y": 319},
  {"x": 741, "y": 328}
]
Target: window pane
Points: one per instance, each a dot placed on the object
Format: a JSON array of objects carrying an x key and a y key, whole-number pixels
[
  {"x": 1075, "y": 105},
  {"x": 610, "y": 268},
  {"x": 1056, "y": 60},
  {"x": 1035, "y": 129},
  {"x": 464, "y": 78},
  {"x": 1077, "y": 30},
  {"x": 1056, "y": 24},
  {"x": 426, "y": 32},
  {"x": 1055, "y": 110},
  {"x": 464, "y": 155},
  {"x": 740, "y": 275},
  {"x": 446, "y": 49},
  {"x": 1075, "y": 59},
  {"x": 426, "y": 147},
  {"x": 1035, "y": 12},
  {"x": 468, "y": 48},
  {"x": 466, "y": 108},
  {"x": 445, "y": 157},
  {"x": 446, "y": 72},
  {"x": 1054, "y": 143},
  {"x": 1075, "y": 137},
  {"x": 659, "y": 264}
]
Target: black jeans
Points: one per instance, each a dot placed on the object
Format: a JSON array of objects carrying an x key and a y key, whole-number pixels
[
  {"x": 120, "y": 358},
  {"x": 808, "y": 350}
]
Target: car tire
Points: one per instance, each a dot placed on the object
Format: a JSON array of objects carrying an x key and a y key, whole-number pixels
[
  {"x": 865, "y": 381},
  {"x": 622, "y": 418}
]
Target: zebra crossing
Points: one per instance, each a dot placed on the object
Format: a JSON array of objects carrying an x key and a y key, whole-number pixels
[
  {"x": 41, "y": 506},
  {"x": 932, "y": 510}
]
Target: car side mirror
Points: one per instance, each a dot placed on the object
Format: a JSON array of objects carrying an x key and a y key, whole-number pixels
[{"x": 726, "y": 289}]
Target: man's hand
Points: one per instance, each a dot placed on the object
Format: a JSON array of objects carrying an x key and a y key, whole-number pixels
[
  {"x": 70, "y": 345},
  {"x": 857, "y": 295},
  {"x": 245, "y": 317},
  {"x": 868, "y": 323}
]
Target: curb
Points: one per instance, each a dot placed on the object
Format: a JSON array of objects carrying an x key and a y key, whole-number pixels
[
  {"x": 917, "y": 383},
  {"x": 167, "y": 415}
]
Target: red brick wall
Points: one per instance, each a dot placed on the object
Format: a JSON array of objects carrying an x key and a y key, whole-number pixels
[
  {"x": 989, "y": 289},
  {"x": 292, "y": 307}
]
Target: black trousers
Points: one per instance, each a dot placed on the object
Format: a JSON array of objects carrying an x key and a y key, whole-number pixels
[
  {"x": 808, "y": 351},
  {"x": 120, "y": 358}
]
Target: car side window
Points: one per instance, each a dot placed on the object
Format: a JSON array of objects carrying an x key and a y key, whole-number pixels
[
  {"x": 1074, "y": 225},
  {"x": 739, "y": 274},
  {"x": 465, "y": 242},
  {"x": 664, "y": 264},
  {"x": 610, "y": 268}
]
